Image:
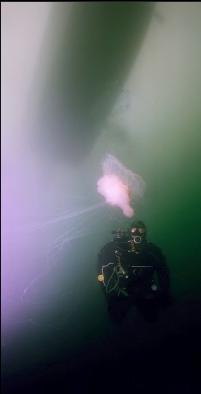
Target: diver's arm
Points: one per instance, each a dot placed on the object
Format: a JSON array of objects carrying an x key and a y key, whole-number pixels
[
  {"x": 100, "y": 276},
  {"x": 161, "y": 270},
  {"x": 163, "y": 278},
  {"x": 105, "y": 256},
  {"x": 106, "y": 269}
]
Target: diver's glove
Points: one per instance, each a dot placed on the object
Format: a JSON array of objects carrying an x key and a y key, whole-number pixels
[
  {"x": 154, "y": 287},
  {"x": 154, "y": 292}
]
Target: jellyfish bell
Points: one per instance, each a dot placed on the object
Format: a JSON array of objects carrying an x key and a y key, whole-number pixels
[
  {"x": 119, "y": 185},
  {"x": 128, "y": 211}
]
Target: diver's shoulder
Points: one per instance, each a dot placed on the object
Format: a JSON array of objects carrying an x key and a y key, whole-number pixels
[
  {"x": 108, "y": 246},
  {"x": 154, "y": 248}
]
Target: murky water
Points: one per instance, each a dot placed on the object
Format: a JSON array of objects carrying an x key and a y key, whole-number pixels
[{"x": 140, "y": 102}]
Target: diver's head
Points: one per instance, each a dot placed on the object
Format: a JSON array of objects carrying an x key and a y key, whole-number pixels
[{"x": 138, "y": 233}]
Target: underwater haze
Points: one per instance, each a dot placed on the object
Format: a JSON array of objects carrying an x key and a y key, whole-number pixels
[{"x": 89, "y": 87}]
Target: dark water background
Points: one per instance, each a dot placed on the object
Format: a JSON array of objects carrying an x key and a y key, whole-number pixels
[{"x": 64, "y": 341}]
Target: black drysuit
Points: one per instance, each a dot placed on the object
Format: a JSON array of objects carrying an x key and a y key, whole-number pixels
[{"x": 130, "y": 278}]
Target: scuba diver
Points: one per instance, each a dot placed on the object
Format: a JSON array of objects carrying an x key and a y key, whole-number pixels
[{"x": 133, "y": 272}]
